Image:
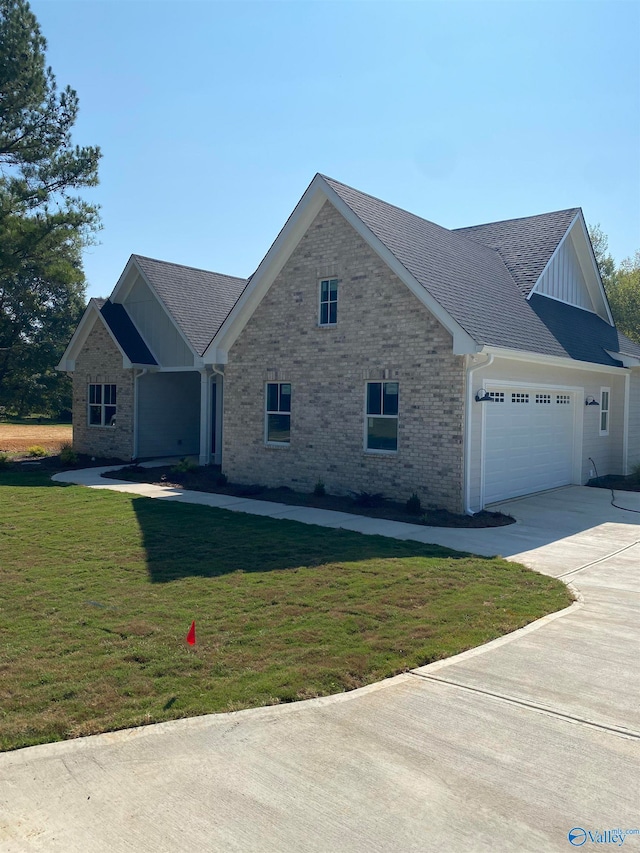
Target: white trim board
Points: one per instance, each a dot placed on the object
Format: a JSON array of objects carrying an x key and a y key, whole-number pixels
[{"x": 551, "y": 360}]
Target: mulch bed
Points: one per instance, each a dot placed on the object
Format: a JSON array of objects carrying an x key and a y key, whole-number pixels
[
  {"x": 54, "y": 465},
  {"x": 613, "y": 481},
  {"x": 207, "y": 479}
]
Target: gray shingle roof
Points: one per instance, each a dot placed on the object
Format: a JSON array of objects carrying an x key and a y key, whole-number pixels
[
  {"x": 198, "y": 300},
  {"x": 482, "y": 275},
  {"x": 582, "y": 334},
  {"x": 469, "y": 280},
  {"x": 125, "y": 332},
  {"x": 525, "y": 245}
]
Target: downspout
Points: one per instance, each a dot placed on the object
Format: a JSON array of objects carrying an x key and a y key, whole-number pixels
[
  {"x": 135, "y": 411},
  {"x": 625, "y": 427},
  {"x": 471, "y": 369}
]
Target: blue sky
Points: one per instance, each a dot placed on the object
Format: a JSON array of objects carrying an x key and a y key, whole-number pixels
[{"x": 213, "y": 117}]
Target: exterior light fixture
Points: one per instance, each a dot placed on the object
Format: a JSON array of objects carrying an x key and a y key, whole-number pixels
[
  {"x": 591, "y": 401},
  {"x": 484, "y": 397}
]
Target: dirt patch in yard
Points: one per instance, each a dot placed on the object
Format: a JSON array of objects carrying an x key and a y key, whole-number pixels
[{"x": 17, "y": 438}]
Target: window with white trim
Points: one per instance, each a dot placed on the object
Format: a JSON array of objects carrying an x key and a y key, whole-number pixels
[
  {"x": 277, "y": 426},
  {"x": 381, "y": 421},
  {"x": 328, "y": 302},
  {"x": 102, "y": 404},
  {"x": 605, "y": 399}
]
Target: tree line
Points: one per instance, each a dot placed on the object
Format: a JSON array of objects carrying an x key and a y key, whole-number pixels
[{"x": 621, "y": 283}]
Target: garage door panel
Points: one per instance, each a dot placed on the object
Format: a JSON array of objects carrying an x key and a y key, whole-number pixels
[{"x": 529, "y": 440}]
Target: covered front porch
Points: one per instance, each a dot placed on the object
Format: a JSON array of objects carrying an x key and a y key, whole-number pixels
[{"x": 178, "y": 413}]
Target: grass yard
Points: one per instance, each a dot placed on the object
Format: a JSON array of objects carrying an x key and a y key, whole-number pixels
[
  {"x": 19, "y": 437},
  {"x": 99, "y": 590}
]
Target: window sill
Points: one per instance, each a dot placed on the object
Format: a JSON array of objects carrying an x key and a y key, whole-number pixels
[
  {"x": 277, "y": 445},
  {"x": 326, "y": 325},
  {"x": 101, "y": 426},
  {"x": 372, "y": 452}
]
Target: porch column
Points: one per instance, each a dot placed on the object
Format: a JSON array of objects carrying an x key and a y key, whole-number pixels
[{"x": 205, "y": 416}]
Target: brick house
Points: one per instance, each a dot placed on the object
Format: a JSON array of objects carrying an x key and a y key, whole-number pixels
[{"x": 372, "y": 350}]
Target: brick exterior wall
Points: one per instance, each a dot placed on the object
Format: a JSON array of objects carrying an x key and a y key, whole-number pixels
[
  {"x": 383, "y": 332},
  {"x": 101, "y": 361}
]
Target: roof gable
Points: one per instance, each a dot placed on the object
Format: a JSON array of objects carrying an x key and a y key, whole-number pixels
[
  {"x": 572, "y": 274},
  {"x": 526, "y": 244},
  {"x": 197, "y": 300},
  {"x": 317, "y": 194},
  {"x": 476, "y": 281},
  {"x": 121, "y": 330}
]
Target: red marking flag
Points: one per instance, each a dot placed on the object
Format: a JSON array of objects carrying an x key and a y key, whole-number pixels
[{"x": 191, "y": 636}]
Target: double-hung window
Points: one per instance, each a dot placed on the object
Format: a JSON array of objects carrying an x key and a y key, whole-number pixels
[
  {"x": 329, "y": 302},
  {"x": 605, "y": 396},
  {"x": 278, "y": 413},
  {"x": 102, "y": 404},
  {"x": 381, "y": 421}
]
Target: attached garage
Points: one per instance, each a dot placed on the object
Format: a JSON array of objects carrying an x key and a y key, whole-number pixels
[{"x": 529, "y": 440}]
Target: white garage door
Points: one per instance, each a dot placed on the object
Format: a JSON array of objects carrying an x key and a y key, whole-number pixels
[{"x": 529, "y": 436}]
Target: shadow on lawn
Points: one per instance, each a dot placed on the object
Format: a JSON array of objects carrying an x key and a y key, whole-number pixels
[
  {"x": 31, "y": 477},
  {"x": 184, "y": 541}
]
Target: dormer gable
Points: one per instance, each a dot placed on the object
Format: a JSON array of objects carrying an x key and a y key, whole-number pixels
[
  {"x": 150, "y": 316},
  {"x": 571, "y": 274}
]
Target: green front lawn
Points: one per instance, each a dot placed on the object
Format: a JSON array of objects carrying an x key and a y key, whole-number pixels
[{"x": 98, "y": 590}]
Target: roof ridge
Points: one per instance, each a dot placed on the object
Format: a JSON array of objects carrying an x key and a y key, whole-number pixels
[
  {"x": 187, "y": 267},
  {"x": 452, "y": 231},
  {"x": 382, "y": 201},
  {"x": 518, "y": 218}
]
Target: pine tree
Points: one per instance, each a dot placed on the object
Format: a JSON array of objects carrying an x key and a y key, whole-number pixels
[{"x": 44, "y": 222}]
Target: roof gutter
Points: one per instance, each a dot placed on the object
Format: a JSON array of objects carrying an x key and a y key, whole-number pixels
[
  {"x": 471, "y": 369},
  {"x": 552, "y": 360}
]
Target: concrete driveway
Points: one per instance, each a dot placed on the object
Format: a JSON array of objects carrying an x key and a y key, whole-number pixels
[{"x": 504, "y": 748}]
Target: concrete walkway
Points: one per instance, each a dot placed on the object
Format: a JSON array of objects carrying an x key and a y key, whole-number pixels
[
  {"x": 581, "y": 509},
  {"x": 504, "y": 748}
]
